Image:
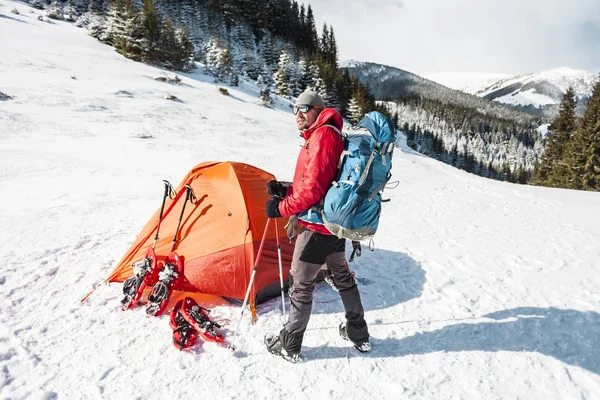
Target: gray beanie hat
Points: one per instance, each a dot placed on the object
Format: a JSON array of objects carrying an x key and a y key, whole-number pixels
[{"x": 310, "y": 98}]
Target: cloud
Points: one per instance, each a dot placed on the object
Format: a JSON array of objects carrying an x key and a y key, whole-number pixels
[{"x": 509, "y": 36}]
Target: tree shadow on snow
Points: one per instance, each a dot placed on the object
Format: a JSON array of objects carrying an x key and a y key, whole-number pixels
[
  {"x": 12, "y": 19},
  {"x": 570, "y": 336},
  {"x": 384, "y": 278}
]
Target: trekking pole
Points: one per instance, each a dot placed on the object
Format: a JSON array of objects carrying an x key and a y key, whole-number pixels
[
  {"x": 262, "y": 242},
  {"x": 280, "y": 269},
  {"x": 145, "y": 270},
  {"x": 172, "y": 194},
  {"x": 189, "y": 195},
  {"x": 172, "y": 270}
]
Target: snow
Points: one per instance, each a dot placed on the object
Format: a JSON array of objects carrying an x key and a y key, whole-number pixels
[
  {"x": 464, "y": 80},
  {"x": 478, "y": 289},
  {"x": 560, "y": 78},
  {"x": 526, "y": 97},
  {"x": 350, "y": 63},
  {"x": 543, "y": 129}
]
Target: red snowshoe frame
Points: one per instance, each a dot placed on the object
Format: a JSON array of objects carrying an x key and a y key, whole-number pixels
[
  {"x": 184, "y": 335},
  {"x": 198, "y": 318}
]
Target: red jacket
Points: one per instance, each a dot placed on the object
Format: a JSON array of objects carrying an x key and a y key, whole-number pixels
[{"x": 316, "y": 167}]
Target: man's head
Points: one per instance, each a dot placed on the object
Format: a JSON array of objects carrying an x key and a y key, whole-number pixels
[{"x": 308, "y": 107}]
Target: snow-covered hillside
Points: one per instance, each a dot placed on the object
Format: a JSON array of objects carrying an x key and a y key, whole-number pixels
[
  {"x": 478, "y": 289},
  {"x": 462, "y": 80},
  {"x": 537, "y": 89}
]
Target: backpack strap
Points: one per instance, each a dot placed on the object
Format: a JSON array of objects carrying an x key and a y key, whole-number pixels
[
  {"x": 366, "y": 173},
  {"x": 337, "y": 130},
  {"x": 383, "y": 149},
  {"x": 344, "y": 153}
]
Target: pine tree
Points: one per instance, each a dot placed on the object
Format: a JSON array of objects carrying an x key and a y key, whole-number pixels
[
  {"x": 219, "y": 62},
  {"x": 249, "y": 67},
  {"x": 333, "y": 53},
  {"x": 55, "y": 11},
  {"x": 80, "y": 6},
  {"x": 554, "y": 169},
  {"x": 265, "y": 78},
  {"x": 303, "y": 30},
  {"x": 115, "y": 22},
  {"x": 269, "y": 53},
  {"x": 125, "y": 24},
  {"x": 96, "y": 6},
  {"x": 70, "y": 12},
  {"x": 585, "y": 150},
  {"x": 97, "y": 24},
  {"x": 168, "y": 45},
  {"x": 283, "y": 77},
  {"x": 591, "y": 171},
  {"x": 354, "y": 113},
  {"x": 307, "y": 74},
  {"x": 312, "y": 31},
  {"x": 324, "y": 43},
  {"x": 185, "y": 56},
  {"x": 265, "y": 98},
  {"x": 151, "y": 22},
  {"x": 295, "y": 75},
  {"x": 133, "y": 43},
  {"x": 213, "y": 49}
]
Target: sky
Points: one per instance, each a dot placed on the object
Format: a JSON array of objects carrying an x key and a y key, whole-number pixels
[{"x": 486, "y": 36}]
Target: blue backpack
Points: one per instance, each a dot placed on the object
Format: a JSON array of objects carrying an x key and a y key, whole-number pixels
[{"x": 352, "y": 206}]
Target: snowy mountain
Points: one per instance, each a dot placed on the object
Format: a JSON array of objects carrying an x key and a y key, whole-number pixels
[
  {"x": 538, "y": 93},
  {"x": 462, "y": 80},
  {"x": 477, "y": 289},
  {"x": 453, "y": 126},
  {"x": 391, "y": 83}
]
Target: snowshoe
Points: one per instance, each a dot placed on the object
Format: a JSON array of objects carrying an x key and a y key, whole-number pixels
[
  {"x": 362, "y": 346},
  {"x": 144, "y": 273},
  {"x": 198, "y": 318},
  {"x": 184, "y": 335},
  {"x": 167, "y": 278}
]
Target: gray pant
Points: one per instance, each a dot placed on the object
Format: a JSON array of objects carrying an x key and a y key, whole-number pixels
[{"x": 311, "y": 252}]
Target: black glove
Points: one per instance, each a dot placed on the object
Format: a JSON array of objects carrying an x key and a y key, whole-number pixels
[
  {"x": 272, "y": 209},
  {"x": 276, "y": 189}
]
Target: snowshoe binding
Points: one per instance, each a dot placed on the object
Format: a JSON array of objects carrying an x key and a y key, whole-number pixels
[
  {"x": 143, "y": 275},
  {"x": 198, "y": 318},
  {"x": 184, "y": 335},
  {"x": 363, "y": 346},
  {"x": 167, "y": 278}
]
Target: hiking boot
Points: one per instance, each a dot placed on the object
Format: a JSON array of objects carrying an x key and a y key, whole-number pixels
[
  {"x": 362, "y": 346},
  {"x": 274, "y": 346}
]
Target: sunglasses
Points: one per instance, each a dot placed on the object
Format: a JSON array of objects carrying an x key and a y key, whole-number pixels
[{"x": 303, "y": 108}]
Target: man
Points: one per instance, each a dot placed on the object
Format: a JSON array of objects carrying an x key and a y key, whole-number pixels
[{"x": 316, "y": 169}]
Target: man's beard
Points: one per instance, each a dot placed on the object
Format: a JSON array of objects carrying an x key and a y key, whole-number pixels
[{"x": 302, "y": 124}]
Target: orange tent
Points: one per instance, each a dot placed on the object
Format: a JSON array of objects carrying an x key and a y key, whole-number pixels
[{"x": 219, "y": 235}]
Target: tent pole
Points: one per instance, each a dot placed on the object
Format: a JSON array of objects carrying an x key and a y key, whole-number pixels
[{"x": 262, "y": 243}]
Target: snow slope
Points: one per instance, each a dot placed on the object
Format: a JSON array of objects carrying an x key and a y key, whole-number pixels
[
  {"x": 537, "y": 89},
  {"x": 477, "y": 290},
  {"x": 462, "y": 80}
]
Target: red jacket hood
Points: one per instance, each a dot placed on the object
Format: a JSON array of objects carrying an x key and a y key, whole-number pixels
[{"x": 329, "y": 116}]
